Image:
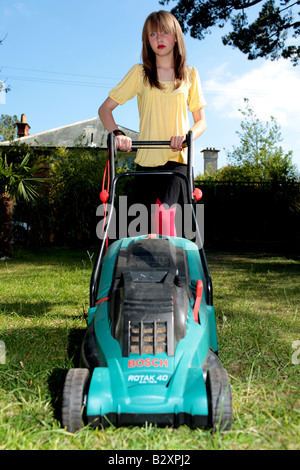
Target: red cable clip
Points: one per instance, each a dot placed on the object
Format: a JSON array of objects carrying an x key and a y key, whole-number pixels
[
  {"x": 104, "y": 195},
  {"x": 197, "y": 194},
  {"x": 199, "y": 290},
  {"x": 105, "y": 299}
]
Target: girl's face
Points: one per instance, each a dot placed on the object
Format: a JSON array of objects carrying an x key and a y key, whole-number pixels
[{"x": 162, "y": 42}]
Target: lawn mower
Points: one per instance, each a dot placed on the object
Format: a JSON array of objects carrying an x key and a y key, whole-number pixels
[{"x": 150, "y": 352}]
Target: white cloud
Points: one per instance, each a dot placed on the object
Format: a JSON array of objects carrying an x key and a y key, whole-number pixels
[
  {"x": 19, "y": 8},
  {"x": 22, "y": 9},
  {"x": 7, "y": 12},
  {"x": 273, "y": 89}
]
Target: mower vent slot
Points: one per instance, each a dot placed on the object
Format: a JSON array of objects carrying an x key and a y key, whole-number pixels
[{"x": 148, "y": 337}]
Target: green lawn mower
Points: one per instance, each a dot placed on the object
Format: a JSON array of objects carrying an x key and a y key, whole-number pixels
[{"x": 150, "y": 352}]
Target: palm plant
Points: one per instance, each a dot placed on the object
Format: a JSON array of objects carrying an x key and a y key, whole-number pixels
[{"x": 17, "y": 181}]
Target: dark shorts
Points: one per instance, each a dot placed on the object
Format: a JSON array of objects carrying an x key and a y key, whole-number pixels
[{"x": 168, "y": 189}]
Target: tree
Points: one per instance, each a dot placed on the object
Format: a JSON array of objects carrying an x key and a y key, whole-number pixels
[
  {"x": 75, "y": 180},
  {"x": 17, "y": 181},
  {"x": 259, "y": 156},
  {"x": 8, "y": 127},
  {"x": 265, "y": 37}
]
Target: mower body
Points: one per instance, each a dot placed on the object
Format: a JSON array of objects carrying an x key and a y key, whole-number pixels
[{"x": 146, "y": 351}]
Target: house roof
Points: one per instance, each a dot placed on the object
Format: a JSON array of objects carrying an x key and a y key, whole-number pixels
[{"x": 89, "y": 133}]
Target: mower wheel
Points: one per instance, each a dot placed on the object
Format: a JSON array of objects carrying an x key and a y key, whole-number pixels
[
  {"x": 74, "y": 395},
  {"x": 219, "y": 393}
]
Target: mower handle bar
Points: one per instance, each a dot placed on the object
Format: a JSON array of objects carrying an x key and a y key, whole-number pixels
[
  {"x": 112, "y": 150},
  {"x": 155, "y": 144}
]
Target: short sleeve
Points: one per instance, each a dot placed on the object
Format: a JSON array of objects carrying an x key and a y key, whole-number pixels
[
  {"x": 196, "y": 99},
  {"x": 128, "y": 87}
]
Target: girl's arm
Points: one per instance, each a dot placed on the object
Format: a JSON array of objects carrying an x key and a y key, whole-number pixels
[
  {"x": 106, "y": 116},
  {"x": 199, "y": 123},
  {"x": 198, "y": 128}
]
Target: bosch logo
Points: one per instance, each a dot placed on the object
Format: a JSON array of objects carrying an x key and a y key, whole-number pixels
[{"x": 147, "y": 362}]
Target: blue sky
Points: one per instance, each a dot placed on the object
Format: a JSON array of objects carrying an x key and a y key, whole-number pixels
[{"x": 62, "y": 57}]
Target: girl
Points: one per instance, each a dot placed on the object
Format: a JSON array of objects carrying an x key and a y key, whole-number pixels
[{"x": 165, "y": 88}]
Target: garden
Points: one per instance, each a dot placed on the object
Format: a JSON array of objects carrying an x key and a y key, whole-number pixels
[{"x": 44, "y": 304}]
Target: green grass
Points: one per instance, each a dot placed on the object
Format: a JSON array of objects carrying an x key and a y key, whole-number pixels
[{"x": 43, "y": 308}]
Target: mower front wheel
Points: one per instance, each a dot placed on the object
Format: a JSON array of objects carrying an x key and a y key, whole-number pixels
[
  {"x": 74, "y": 397},
  {"x": 219, "y": 394}
]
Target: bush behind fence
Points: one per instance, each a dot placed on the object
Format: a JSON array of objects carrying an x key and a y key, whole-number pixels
[{"x": 237, "y": 215}]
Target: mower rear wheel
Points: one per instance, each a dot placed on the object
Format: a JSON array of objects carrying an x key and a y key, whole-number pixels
[
  {"x": 219, "y": 393},
  {"x": 74, "y": 395}
]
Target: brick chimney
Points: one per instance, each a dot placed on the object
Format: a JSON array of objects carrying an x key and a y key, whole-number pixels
[
  {"x": 210, "y": 157},
  {"x": 23, "y": 127}
]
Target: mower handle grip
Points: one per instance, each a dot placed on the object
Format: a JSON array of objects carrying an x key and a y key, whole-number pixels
[{"x": 136, "y": 144}]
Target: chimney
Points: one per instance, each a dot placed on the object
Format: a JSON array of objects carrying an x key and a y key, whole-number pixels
[
  {"x": 210, "y": 157},
  {"x": 23, "y": 127}
]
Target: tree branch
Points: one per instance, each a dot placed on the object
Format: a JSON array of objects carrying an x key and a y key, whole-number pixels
[
  {"x": 2, "y": 40},
  {"x": 290, "y": 6},
  {"x": 242, "y": 5}
]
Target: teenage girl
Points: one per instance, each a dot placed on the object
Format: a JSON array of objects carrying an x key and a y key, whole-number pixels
[{"x": 166, "y": 89}]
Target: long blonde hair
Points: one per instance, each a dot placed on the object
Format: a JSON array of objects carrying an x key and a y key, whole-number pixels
[{"x": 163, "y": 21}]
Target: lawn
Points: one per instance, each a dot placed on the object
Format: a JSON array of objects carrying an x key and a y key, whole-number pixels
[{"x": 43, "y": 307}]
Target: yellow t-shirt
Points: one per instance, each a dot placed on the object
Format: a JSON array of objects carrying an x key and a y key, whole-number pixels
[{"x": 163, "y": 113}]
